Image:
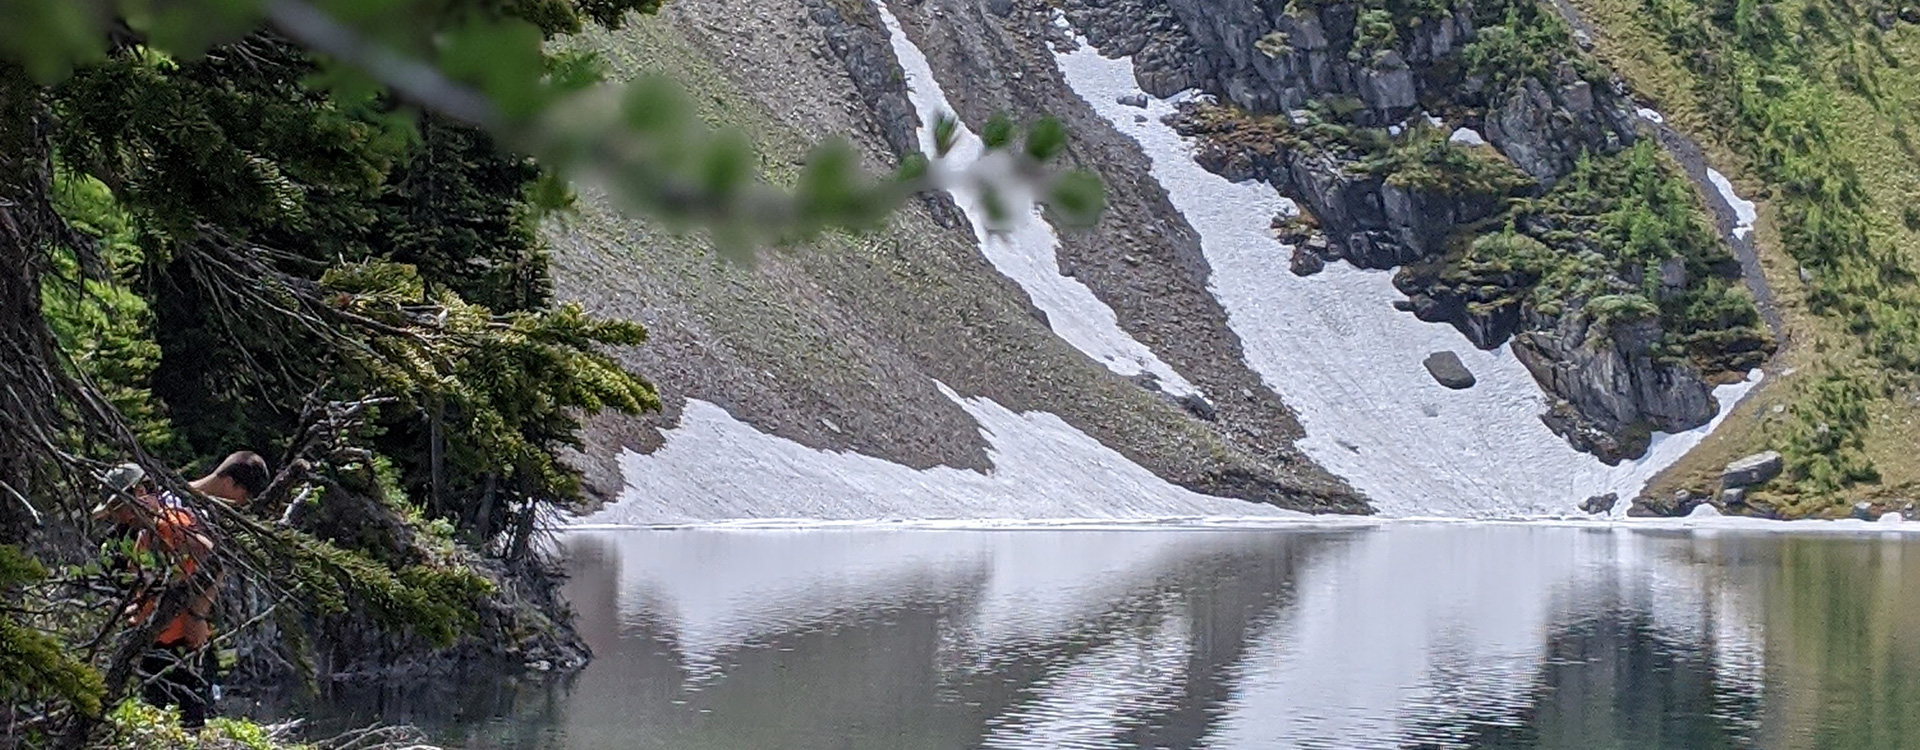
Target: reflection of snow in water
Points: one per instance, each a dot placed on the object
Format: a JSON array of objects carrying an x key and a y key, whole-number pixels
[
  {"x": 1040, "y": 589},
  {"x": 1417, "y": 623},
  {"x": 720, "y": 591},
  {"x": 1408, "y": 633},
  {"x": 1027, "y": 252},
  {"x": 1097, "y": 695},
  {"x": 1694, "y": 601},
  {"x": 1348, "y": 363}
]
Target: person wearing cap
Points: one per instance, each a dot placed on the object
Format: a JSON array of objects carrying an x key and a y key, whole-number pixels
[{"x": 174, "y": 548}]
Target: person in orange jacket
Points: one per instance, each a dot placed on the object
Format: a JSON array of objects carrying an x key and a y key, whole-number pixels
[{"x": 172, "y": 546}]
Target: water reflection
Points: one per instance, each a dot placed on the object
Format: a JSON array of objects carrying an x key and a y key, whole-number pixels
[{"x": 1403, "y": 636}]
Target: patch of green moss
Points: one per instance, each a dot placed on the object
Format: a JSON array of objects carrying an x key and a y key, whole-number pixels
[
  {"x": 1519, "y": 39},
  {"x": 1424, "y": 159},
  {"x": 134, "y": 725}
]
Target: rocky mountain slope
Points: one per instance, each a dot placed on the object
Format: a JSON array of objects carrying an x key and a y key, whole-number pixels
[
  {"x": 843, "y": 345},
  {"x": 1507, "y": 177}
]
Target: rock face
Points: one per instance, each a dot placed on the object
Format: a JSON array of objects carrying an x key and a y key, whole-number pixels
[
  {"x": 1369, "y": 221},
  {"x": 1292, "y": 66},
  {"x": 1269, "y": 60},
  {"x": 1537, "y": 122},
  {"x": 1758, "y": 468},
  {"x": 860, "y": 44},
  {"x": 1447, "y": 368},
  {"x": 1266, "y": 60},
  {"x": 1616, "y": 393}
]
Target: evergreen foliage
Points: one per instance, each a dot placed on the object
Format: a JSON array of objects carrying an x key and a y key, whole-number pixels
[
  {"x": 1424, "y": 159},
  {"x": 1604, "y": 239},
  {"x": 307, "y": 227},
  {"x": 1518, "y": 40},
  {"x": 219, "y": 256},
  {"x": 34, "y": 666}
]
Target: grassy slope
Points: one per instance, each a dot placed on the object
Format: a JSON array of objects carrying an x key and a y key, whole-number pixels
[{"x": 1865, "y": 126}]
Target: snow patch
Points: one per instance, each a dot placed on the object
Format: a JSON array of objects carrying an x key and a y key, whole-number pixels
[
  {"x": 1467, "y": 137},
  {"x": 1334, "y": 348},
  {"x": 716, "y": 467},
  {"x": 1027, "y": 252},
  {"x": 1744, "y": 211},
  {"x": 1652, "y": 116}
]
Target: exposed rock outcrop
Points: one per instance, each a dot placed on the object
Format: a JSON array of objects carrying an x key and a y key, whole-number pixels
[
  {"x": 1305, "y": 262},
  {"x": 1599, "y": 504},
  {"x": 1307, "y": 92},
  {"x": 1680, "y": 503},
  {"x": 1543, "y": 127},
  {"x": 1369, "y": 222},
  {"x": 1618, "y": 391}
]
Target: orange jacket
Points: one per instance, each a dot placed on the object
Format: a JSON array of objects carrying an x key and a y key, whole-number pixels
[{"x": 177, "y": 539}]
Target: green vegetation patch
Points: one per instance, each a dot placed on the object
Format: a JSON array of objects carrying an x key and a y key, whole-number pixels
[
  {"x": 1821, "y": 101},
  {"x": 1624, "y": 237},
  {"x": 1425, "y": 160}
]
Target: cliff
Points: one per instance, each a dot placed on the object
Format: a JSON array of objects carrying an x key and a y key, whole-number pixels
[{"x": 1427, "y": 138}]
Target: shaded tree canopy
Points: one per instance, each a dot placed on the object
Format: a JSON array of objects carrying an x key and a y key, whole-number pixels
[{"x": 309, "y": 229}]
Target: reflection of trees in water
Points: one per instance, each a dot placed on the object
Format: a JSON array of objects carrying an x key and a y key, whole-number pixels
[
  {"x": 1611, "y": 681},
  {"x": 1843, "y": 628}
]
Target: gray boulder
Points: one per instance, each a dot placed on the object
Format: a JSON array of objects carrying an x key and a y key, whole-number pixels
[
  {"x": 1601, "y": 503},
  {"x": 1198, "y": 406},
  {"x": 1863, "y": 510},
  {"x": 1447, "y": 368},
  {"x": 1733, "y": 498},
  {"x": 1306, "y": 262},
  {"x": 1135, "y": 99},
  {"x": 1758, "y": 468},
  {"x": 1680, "y": 504}
]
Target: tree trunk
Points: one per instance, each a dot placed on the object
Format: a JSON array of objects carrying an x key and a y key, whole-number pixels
[
  {"x": 437, "y": 457},
  {"x": 483, "y": 525}
]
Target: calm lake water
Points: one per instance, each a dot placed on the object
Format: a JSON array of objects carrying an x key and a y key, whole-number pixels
[{"x": 1398, "y": 636}]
